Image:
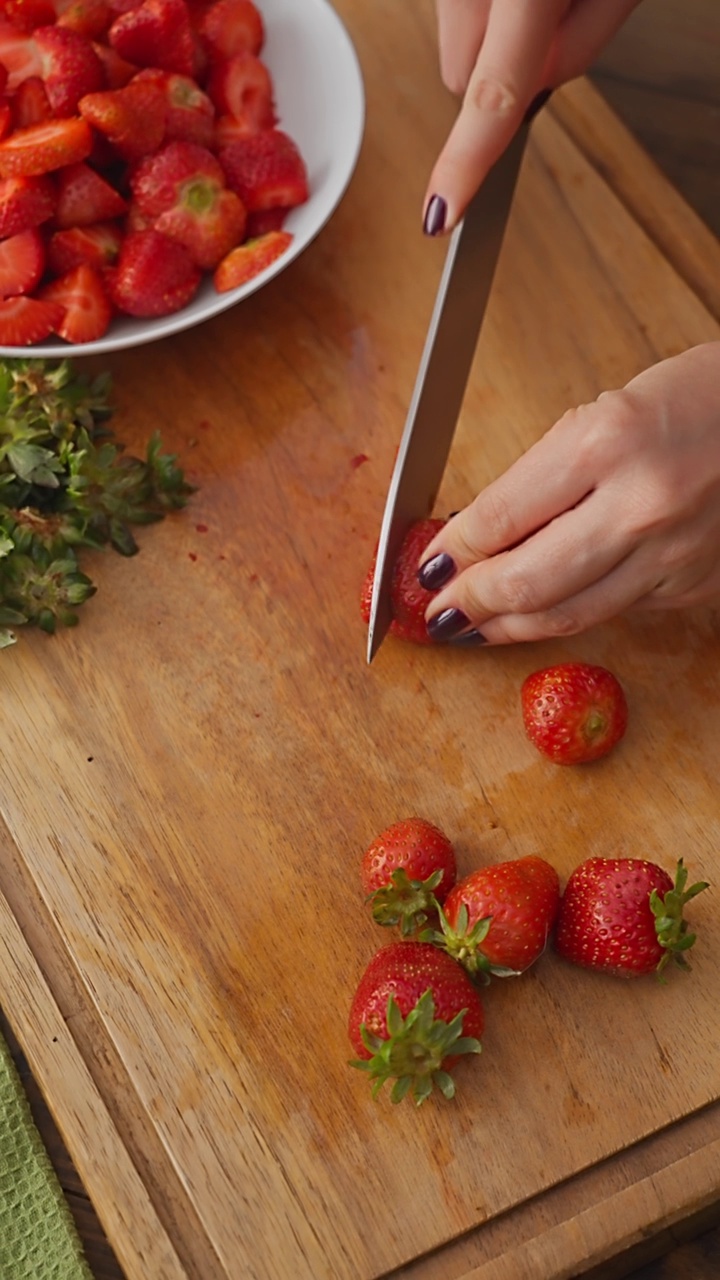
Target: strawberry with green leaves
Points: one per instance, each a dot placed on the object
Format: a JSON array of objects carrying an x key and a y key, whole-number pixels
[
  {"x": 497, "y": 921},
  {"x": 414, "y": 1014},
  {"x": 409, "y": 599},
  {"x": 406, "y": 871},
  {"x": 624, "y": 916},
  {"x": 574, "y": 712}
]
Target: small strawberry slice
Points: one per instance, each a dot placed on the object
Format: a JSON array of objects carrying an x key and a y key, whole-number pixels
[
  {"x": 26, "y": 320},
  {"x": 131, "y": 118},
  {"x": 266, "y": 170},
  {"x": 242, "y": 87},
  {"x": 22, "y": 262},
  {"x": 156, "y": 34},
  {"x": 30, "y": 103},
  {"x": 97, "y": 245},
  {"x": 154, "y": 275},
  {"x": 231, "y": 26},
  {"x": 90, "y": 18},
  {"x": 249, "y": 259},
  {"x": 44, "y": 147},
  {"x": 88, "y": 310},
  {"x": 190, "y": 113},
  {"x": 25, "y": 203},
  {"x": 83, "y": 197},
  {"x": 70, "y": 67},
  {"x": 19, "y": 55}
]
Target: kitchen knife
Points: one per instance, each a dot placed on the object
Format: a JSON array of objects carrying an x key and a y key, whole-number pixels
[{"x": 450, "y": 346}]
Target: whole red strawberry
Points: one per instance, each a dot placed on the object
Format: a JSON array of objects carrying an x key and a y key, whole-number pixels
[
  {"x": 409, "y": 599},
  {"x": 574, "y": 712},
  {"x": 406, "y": 871},
  {"x": 625, "y": 916},
  {"x": 414, "y": 1013},
  {"x": 497, "y": 920}
]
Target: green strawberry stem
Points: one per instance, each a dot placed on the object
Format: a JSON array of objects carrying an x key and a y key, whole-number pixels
[
  {"x": 464, "y": 944},
  {"x": 404, "y": 901},
  {"x": 670, "y": 926},
  {"x": 415, "y": 1050}
]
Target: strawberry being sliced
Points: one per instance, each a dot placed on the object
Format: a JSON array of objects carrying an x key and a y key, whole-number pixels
[
  {"x": 88, "y": 310},
  {"x": 84, "y": 197},
  {"x": 22, "y": 262},
  {"x": 154, "y": 275},
  {"x": 156, "y": 34},
  {"x": 231, "y": 26},
  {"x": 249, "y": 259},
  {"x": 409, "y": 599},
  {"x": 25, "y": 203},
  {"x": 30, "y": 103},
  {"x": 45, "y": 147},
  {"x": 242, "y": 87},
  {"x": 266, "y": 170},
  {"x": 132, "y": 118},
  {"x": 190, "y": 115},
  {"x": 70, "y": 67},
  {"x": 27, "y": 320},
  {"x": 97, "y": 245}
]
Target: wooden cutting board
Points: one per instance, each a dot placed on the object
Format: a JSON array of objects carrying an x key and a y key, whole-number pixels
[{"x": 190, "y": 778}]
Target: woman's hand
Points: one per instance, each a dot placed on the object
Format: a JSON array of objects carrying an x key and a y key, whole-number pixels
[
  {"x": 617, "y": 505},
  {"x": 500, "y": 54}
]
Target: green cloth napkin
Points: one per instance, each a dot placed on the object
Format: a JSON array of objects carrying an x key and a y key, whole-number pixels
[{"x": 38, "y": 1238}]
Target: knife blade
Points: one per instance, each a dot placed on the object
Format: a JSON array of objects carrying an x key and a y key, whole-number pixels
[{"x": 450, "y": 345}]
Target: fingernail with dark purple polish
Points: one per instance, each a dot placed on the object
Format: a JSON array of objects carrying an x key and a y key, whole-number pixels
[
  {"x": 537, "y": 103},
  {"x": 468, "y": 640},
  {"x": 447, "y": 624},
  {"x": 434, "y": 573},
  {"x": 435, "y": 216}
]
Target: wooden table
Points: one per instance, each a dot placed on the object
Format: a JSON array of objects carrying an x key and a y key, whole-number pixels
[{"x": 73, "y": 988}]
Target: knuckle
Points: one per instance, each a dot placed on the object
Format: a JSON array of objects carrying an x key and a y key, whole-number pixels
[
  {"x": 518, "y": 592},
  {"x": 560, "y": 621},
  {"x": 493, "y": 96},
  {"x": 491, "y": 520},
  {"x": 606, "y": 429}
]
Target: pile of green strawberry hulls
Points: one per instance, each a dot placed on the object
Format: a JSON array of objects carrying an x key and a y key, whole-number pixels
[
  {"x": 138, "y": 153},
  {"x": 418, "y": 1008}
]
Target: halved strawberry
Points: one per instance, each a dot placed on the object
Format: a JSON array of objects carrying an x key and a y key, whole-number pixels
[
  {"x": 19, "y": 55},
  {"x": 22, "y": 262},
  {"x": 156, "y": 34},
  {"x": 266, "y": 170},
  {"x": 70, "y": 68},
  {"x": 30, "y": 103},
  {"x": 132, "y": 118},
  {"x": 242, "y": 87},
  {"x": 45, "y": 147},
  {"x": 97, "y": 245},
  {"x": 154, "y": 276},
  {"x": 27, "y": 320},
  {"x": 88, "y": 310},
  {"x": 190, "y": 113},
  {"x": 83, "y": 197},
  {"x": 182, "y": 189},
  {"x": 249, "y": 259},
  {"x": 116, "y": 70},
  {"x": 90, "y": 18},
  {"x": 25, "y": 203},
  {"x": 231, "y": 26}
]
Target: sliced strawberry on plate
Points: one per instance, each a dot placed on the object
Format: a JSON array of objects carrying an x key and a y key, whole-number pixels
[
  {"x": 25, "y": 203},
  {"x": 190, "y": 113},
  {"x": 88, "y": 310},
  {"x": 22, "y": 262},
  {"x": 19, "y": 55},
  {"x": 70, "y": 67},
  {"x": 83, "y": 197},
  {"x": 27, "y": 320},
  {"x": 242, "y": 87},
  {"x": 156, "y": 34},
  {"x": 249, "y": 259},
  {"x": 232, "y": 26},
  {"x": 90, "y": 18},
  {"x": 266, "y": 170},
  {"x": 131, "y": 118},
  {"x": 97, "y": 245},
  {"x": 45, "y": 147},
  {"x": 154, "y": 275},
  {"x": 30, "y": 103},
  {"x": 183, "y": 189}
]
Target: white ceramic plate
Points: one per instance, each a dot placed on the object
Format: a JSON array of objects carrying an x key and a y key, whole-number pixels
[{"x": 321, "y": 104}]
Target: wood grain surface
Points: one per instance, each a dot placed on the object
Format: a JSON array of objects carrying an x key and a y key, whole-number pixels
[{"x": 163, "y": 888}]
